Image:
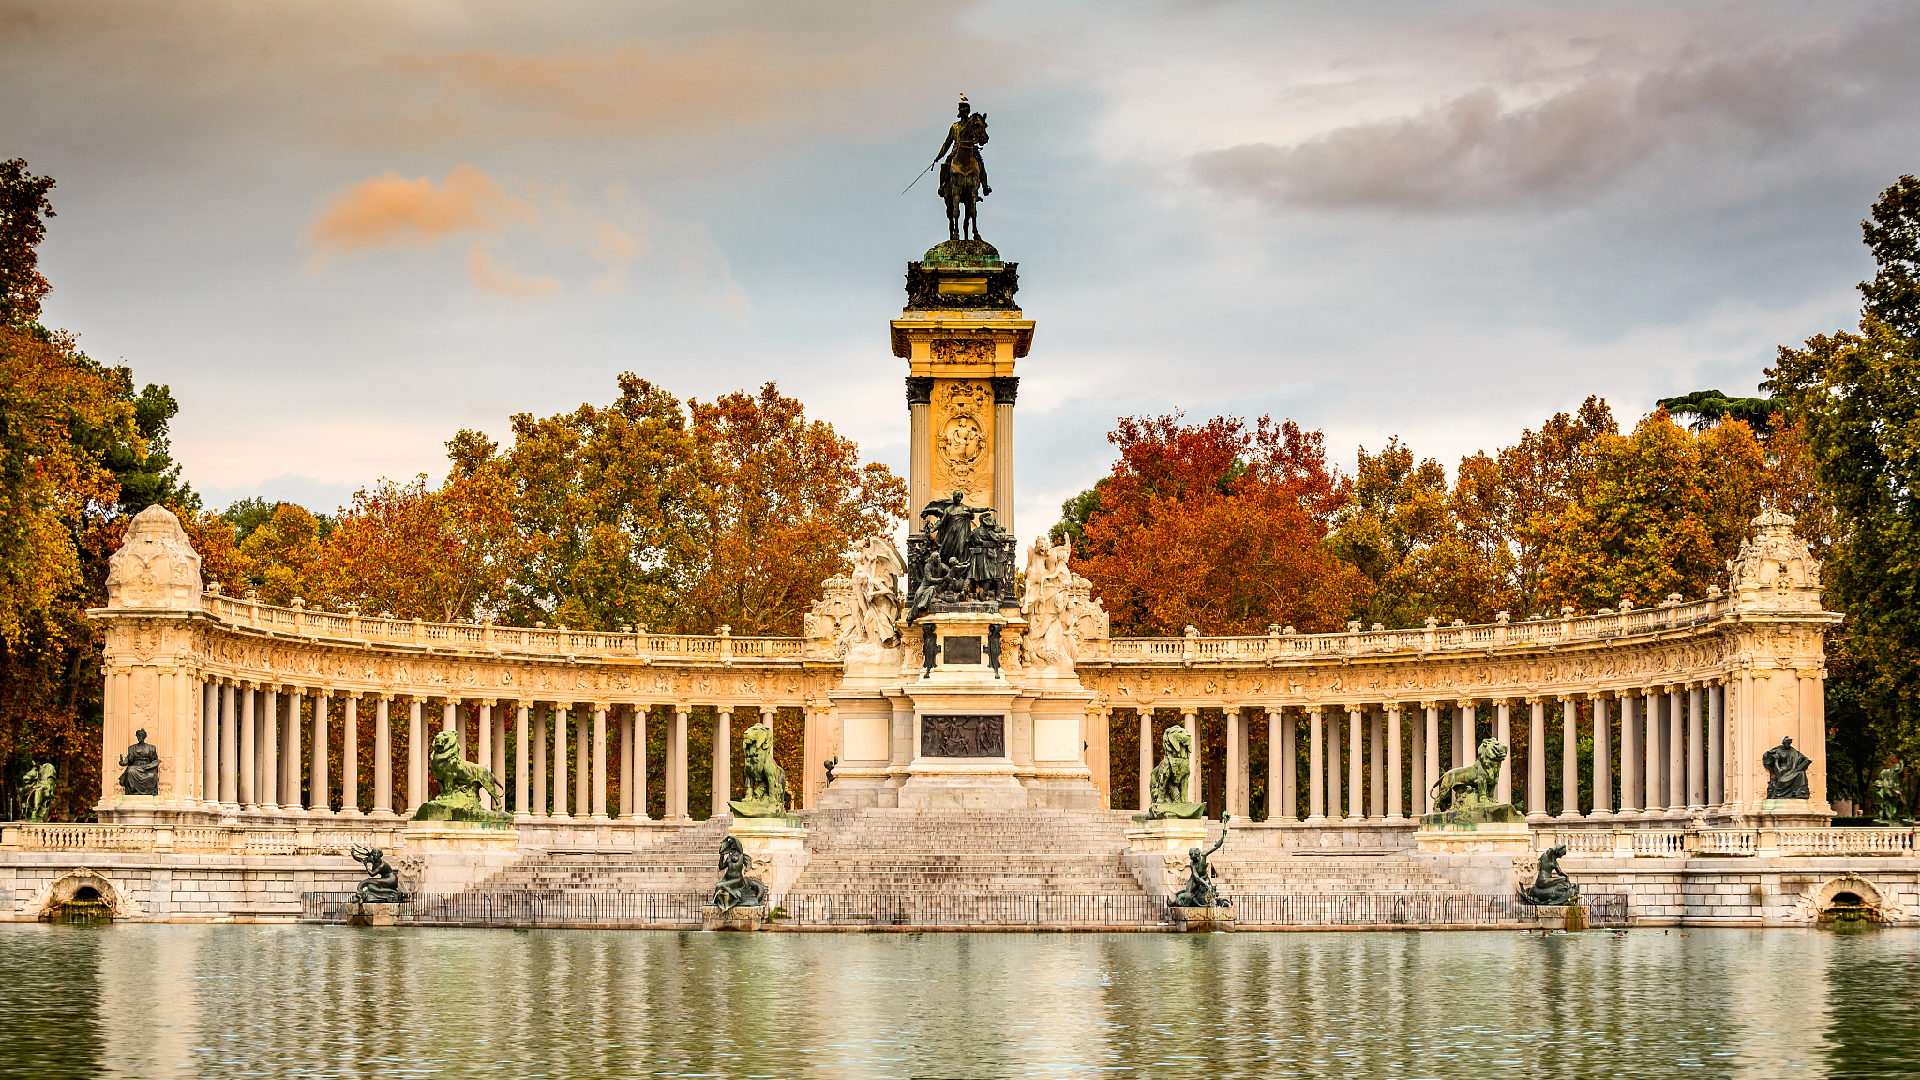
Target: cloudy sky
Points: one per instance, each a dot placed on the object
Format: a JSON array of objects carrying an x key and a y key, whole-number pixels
[{"x": 342, "y": 231}]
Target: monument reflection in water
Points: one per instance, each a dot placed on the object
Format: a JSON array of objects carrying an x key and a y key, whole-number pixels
[{"x": 218, "y": 1001}]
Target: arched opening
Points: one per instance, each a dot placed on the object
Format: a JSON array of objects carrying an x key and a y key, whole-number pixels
[
  {"x": 87, "y": 906},
  {"x": 1846, "y": 909}
]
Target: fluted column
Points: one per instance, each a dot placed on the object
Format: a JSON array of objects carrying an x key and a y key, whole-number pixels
[
  {"x": 623, "y": 725},
  {"x": 1316, "y": 768},
  {"x": 499, "y": 739},
  {"x": 1655, "y": 789},
  {"x": 1602, "y": 759},
  {"x": 450, "y": 721},
  {"x": 1569, "y": 756},
  {"x": 229, "y": 748},
  {"x": 1676, "y": 764},
  {"x": 267, "y": 782},
  {"x": 1290, "y": 776},
  {"x": 1536, "y": 758},
  {"x": 1333, "y": 769},
  {"x": 1356, "y": 764},
  {"x": 640, "y": 714},
  {"x": 522, "y": 794},
  {"x": 1146, "y": 758},
  {"x": 561, "y": 709},
  {"x": 1464, "y": 728},
  {"x": 1276, "y": 809},
  {"x": 1417, "y": 762},
  {"x": 350, "y": 756},
  {"x": 249, "y": 749},
  {"x": 600, "y": 759},
  {"x": 1696, "y": 751},
  {"x": 539, "y": 807},
  {"x": 1629, "y": 754},
  {"x": 383, "y": 756},
  {"x": 1393, "y": 761},
  {"x": 1716, "y": 742},
  {"x": 320, "y": 790},
  {"x": 1376, "y": 803},
  {"x": 1503, "y": 731}
]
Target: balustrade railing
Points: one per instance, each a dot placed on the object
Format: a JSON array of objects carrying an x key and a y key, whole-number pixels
[{"x": 214, "y": 839}]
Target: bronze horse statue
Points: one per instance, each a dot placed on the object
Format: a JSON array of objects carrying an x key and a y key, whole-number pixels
[{"x": 963, "y": 179}]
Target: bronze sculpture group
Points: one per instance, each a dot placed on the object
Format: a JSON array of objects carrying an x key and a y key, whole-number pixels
[
  {"x": 736, "y": 889},
  {"x": 382, "y": 884},
  {"x": 1551, "y": 886},
  {"x": 963, "y": 173},
  {"x": 1200, "y": 892},
  {"x": 461, "y": 782},
  {"x": 961, "y": 555}
]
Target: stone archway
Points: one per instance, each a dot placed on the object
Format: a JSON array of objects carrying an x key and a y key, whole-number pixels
[
  {"x": 75, "y": 884},
  {"x": 1849, "y": 891}
]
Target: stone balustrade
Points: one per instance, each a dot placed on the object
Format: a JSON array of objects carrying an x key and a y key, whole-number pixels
[{"x": 210, "y": 839}]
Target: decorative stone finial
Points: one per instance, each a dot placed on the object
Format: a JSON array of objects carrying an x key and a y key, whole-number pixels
[
  {"x": 1775, "y": 570},
  {"x": 155, "y": 567}
]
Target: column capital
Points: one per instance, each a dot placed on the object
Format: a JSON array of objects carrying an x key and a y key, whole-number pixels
[
  {"x": 766, "y": 710},
  {"x": 1567, "y": 696},
  {"x": 386, "y": 695},
  {"x": 602, "y": 706},
  {"x": 1673, "y": 688},
  {"x": 324, "y": 691},
  {"x": 486, "y": 702},
  {"x": 1276, "y": 710},
  {"x": 1430, "y": 706},
  {"x": 1535, "y": 699},
  {"x": 684, "y": 707},
  {"x": 1190, "y": 710},
  {"x": 1390, "y": 706},
  {"x": 1807, "y": 672},
  {"x": 725, "y": 709},
  {"x": 1356, "y": 708},
  {"x": 1602, "y": 695},
  {"x": 1468, "y": 702}
]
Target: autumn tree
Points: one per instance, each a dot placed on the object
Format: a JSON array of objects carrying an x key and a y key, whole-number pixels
[
  {"x": 419, "y": 552},
  {"x": 1218, "y": 525},
  {"x": 1396, "y": 512}
]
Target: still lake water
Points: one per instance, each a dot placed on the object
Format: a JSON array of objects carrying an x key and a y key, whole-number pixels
[{"x": 313, "y": 1001}]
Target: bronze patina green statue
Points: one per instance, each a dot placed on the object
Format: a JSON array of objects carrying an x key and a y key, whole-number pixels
[
  {"x": 39, "y": 783},
  {"x": 1169, "y": 779},
  {"x": 1889, "y": 793},
  {"x": 1200, "y": 891},
  {"x": 1464, "y": 796},
  {"x": 766, "y": 781},
  {"x": 141, "y": 772},
  {"x": 460, "y": 782},
  {"x": 382, "y": 885},
  {"x": 1551, "y": 886},
  {"x": 1786, "y": 771},
  {"x": 963, "y": 175},
  {"x": 736, "y": 889}
]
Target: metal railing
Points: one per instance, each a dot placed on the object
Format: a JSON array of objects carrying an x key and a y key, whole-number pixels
[{"x": 1013, "y": 911}]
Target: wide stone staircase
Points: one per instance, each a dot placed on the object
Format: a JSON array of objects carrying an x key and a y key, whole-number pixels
[
  {"x": 1254, "y": 871},
  {"x": 686, "y": 862},
  {"x": 973, "y": 852}
]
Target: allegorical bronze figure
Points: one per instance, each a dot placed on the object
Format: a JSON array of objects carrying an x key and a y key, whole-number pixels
[{"x": 963, "y": 174}]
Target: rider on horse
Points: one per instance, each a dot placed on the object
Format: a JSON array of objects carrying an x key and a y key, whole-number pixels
[{"x": 965, "y": 138}]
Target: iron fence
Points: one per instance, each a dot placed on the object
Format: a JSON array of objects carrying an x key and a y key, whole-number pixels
[{"x": 616, "y": 910}]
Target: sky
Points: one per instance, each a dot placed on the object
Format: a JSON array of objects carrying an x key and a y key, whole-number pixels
[{"x": 343, "y": 231}]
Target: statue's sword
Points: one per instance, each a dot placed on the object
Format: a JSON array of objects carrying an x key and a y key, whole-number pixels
[{"x": 916, "y": 179}]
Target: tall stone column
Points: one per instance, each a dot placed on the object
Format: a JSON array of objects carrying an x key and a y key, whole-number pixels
[
  {"x": 1417, "y": 763},
  {"x": 1333, "y": 769},
  {"x": 1536, "y": 759},
  {"x": 319, "y": 791},
  {"x": 623, "y": 724},
  {"x": 582, "y": 761},
  {"x": 1696, "y": 751},
  {"x": 600, "y": 759},
  {"x": 1503, "y": 731},
  {"x": 560, "y": 711},
  {"x": 1569, "y": 756},
  {"x": 268, "y": 781},
  {"x": 1716, "y": 742},
  {"x": 1230, "y": 803},
  {"x": 1393, "y": 761},
  {"x": 209, "y": 742},
  {"x": 1432, "y": 762},
  {"x": 1602, "y": 759},
  {"x": 1465, "y": 724},
  {"x": 683, "y": 714},
  {"x": 1356, "y": 766},
  {"x": 450, "y": 721},
  {"x": 1654, "y": 791},
  {"x": 1005, "y": 390},
  {"x": 1277, "y": 807},
  {"x": 483, "y": 743},
  {"x": 290, "y": 800},
  {"x": 1377, "y": 805},
  {"x": 383, "y": 756},
  {"x": 1316, "y": 767},
  {"x": 1629, "y": 753},
  {"x": 522, "y": 791},
  {"x": 416, "y": 754},
  {"x": 640, "y": 713},
  {"x": 722, "y": 759},
  {"x": 249, "y": 751},
  {"x": 350, "y": 756},
  {"x": 539, "y": 806},
  {"x": 1290, "y": 778},
  {"x": 499, "y": 740},
  {"x": 1675, "y": 765},
  {"x": 1146, "y": 758},
  {"x": 229, "y": 749}
]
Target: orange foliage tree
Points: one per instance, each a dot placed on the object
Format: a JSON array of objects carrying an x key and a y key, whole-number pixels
[{"x": 1220, "y": 526}]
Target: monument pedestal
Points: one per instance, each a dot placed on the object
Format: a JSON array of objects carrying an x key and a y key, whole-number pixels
[
  {"x": 1474, "y": 838},
  {"x": 963, "y": 749},
  {"x": 1201, "y": 920},
  {"x": 1157, "y": 852},
  {"x": 374, "y": 915},
  {"x": 739, "y": 918},
  {"x": 1793, "y": 814},
  {"x": 448, "y": 856},
  {"x": 778, "y": 849}
]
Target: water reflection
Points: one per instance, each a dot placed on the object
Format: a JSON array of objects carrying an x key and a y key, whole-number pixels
[{"x": 300, "y": 1001}]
